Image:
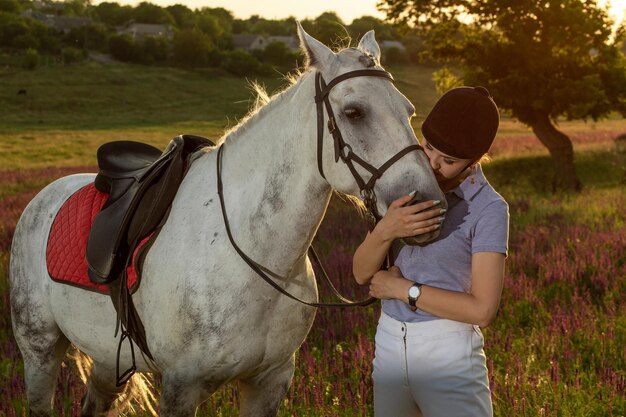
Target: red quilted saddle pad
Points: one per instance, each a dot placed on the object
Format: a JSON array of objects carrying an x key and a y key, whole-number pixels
[{"x": 67, "y": 243}]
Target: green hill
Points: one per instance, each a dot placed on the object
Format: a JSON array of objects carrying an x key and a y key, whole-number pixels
[
  {"x": 67, "y": 112},
  {"x": 93, "y": 96}
]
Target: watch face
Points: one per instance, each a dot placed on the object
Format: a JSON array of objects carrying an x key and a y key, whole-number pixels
[{"x": 414, "y": 292}]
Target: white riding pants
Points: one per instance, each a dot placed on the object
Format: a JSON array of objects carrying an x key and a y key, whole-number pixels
[{"x": 432, "y": 369}]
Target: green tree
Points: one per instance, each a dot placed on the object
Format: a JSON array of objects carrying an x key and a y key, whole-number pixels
[
  {"x": 10, "y": 6},
  {"x": 151, "y": 13},
  {"x": 192, "y": 48},
  {"x": 11, "y": 27},
  {"x": 30, "y": 61},
  {"x": 224, "y": 17},
  {"x": 240, "y": 26},
  {"x": 27, "y": 41},
  {"x": 112, "y": 14},
  {"x": 240, "y": 62},
  {"x": 217, "y": 23},
  {"x": 184, "y": 17},
  {"x": 540, "y": 59},
  {"x": 328, "y": 28},
  {"x": 23, "y": 33},
  {"x": 97, "y": 37},
  {"x": 209, "y": 25},
  {"x": 72, "y": 55},
  {"x": 48, "y": 40},
  {"x": 122, "y": 47},
  {"x": 94, "y": 36},
  {"x": 154, "y": 50},
  {"x": 360, "y": 26},
  {"x": 277, "y": 53},
  {"x": 76, "y": 7},
  {"x": 269, "y": 27}
]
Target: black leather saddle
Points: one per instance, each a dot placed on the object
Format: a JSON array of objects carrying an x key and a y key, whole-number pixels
[{"x": 142, "y": 182}]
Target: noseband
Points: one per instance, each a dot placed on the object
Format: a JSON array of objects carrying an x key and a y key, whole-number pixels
[{"x": 343, "y": 150}]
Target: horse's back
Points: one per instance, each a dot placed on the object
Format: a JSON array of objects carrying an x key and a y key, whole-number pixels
[
  {"x": 28, "y": 272},
  {"x": 34, "y": 224},
  {"x": 32, "y": 229},
  {"x": 28, "y": 248}
]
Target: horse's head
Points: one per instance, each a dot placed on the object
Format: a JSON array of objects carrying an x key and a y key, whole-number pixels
[{"x": 372, "y": 130}]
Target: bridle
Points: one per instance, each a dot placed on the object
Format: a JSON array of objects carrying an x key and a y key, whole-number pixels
[{"x": 342, "y": 150}]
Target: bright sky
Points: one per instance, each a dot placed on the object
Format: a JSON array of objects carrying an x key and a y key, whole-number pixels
[
  {"x": 278, "y": 9},
  {"x": 617, "y": 10},
  {"x": 347, "y": 10}
]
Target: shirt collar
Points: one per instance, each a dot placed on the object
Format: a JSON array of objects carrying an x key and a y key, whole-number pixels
[{"x": 471, "y": 185}]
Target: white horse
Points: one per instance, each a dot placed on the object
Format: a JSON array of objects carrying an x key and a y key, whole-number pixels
[{"x": 209, "y": 319}]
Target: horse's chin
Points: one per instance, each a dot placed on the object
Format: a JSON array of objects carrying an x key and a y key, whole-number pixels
[{"x": 421, "y": 240}]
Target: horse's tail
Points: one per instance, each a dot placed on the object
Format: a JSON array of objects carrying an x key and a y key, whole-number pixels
[{"x": 138, "y": 396}]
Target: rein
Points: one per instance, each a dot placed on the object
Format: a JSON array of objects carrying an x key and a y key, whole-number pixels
[
  {"x": 260, "y": 270},
  {"x": 342, "y": 150}
]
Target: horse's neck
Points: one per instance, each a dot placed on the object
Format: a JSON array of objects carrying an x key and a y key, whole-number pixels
[{"x": 274, "y": 195}]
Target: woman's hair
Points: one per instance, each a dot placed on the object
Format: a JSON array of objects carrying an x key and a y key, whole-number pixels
[{"x": 484, "y": 159}]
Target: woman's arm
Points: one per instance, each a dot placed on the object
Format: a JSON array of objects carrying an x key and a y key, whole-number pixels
[
  {"x": 398, "y": 222},
  {"x": 479, "y": 306}
]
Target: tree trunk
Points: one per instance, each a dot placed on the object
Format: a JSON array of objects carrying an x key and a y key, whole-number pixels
[{"x": 560, "y": 147}]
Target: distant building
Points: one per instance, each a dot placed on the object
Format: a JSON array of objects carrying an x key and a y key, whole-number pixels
[
  {"x": 290, "y": 42},
  {"x": 259, "y": 42},
  {"x": 67, "y": 23},
  {"x": 56, "y": 7},
  {"x": 147, "y": 30},
  {"x": 35, "y": 14},
  {"x": 61, "y": 23},
  {"x": 249, "y": 42},
  {"x": 386, "y": 45}
]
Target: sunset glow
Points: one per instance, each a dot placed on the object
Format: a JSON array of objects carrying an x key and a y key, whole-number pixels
[{"x": 347, "y": 10}]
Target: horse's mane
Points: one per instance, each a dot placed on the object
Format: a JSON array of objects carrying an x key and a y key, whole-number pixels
[
  {"x": 260, "y": 103},
  {"x": 262, "y": 97}
]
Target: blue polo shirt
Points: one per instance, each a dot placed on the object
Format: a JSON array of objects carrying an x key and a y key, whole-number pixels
[{"x": 477, "y": 221}]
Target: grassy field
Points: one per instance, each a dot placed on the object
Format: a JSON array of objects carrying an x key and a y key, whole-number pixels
[{"x": 557, "y": 347}]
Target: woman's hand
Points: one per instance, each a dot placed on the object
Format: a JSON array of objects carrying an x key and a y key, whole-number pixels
[
  {"x": 413, "y": 220},
  {"x": 398, "y": 222},
  {"x": 390, "y": 284}
]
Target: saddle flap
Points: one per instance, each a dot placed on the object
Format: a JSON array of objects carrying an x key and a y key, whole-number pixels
[
  {"x": 104, "y": 240},
  {"x": 142, "y": 186}
]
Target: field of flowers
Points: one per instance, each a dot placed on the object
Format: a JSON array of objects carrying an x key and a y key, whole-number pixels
[{"x": 557, "y": 347}]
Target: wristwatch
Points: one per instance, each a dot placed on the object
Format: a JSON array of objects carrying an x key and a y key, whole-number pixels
[{"x": 414, "y": 293}]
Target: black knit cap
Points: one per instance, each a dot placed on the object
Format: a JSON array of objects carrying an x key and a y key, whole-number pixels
[{"x": 463, "y": 123}]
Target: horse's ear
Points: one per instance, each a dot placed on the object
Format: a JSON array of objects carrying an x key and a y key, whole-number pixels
[
  {"x": 317, "y": 54},
  {"x": 369, "y": 45}
]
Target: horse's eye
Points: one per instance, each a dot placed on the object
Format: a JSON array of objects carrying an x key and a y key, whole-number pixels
[{"x": 353, "y": 113}]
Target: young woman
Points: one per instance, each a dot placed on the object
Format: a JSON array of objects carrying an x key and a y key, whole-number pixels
[{"x": 429, "y": 356}]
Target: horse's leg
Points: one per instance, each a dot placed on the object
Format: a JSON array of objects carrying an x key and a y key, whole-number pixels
[
  {"x": 42, "y": 355},
  {"x": 262, "y": 395},
  {"x": 180, "y": 395},
  {"x": 40, "y": 340},
  {"x": 101, "y": 391}
]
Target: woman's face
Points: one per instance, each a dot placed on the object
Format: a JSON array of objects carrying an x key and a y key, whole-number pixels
[{"x": 444, "y": 166}]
